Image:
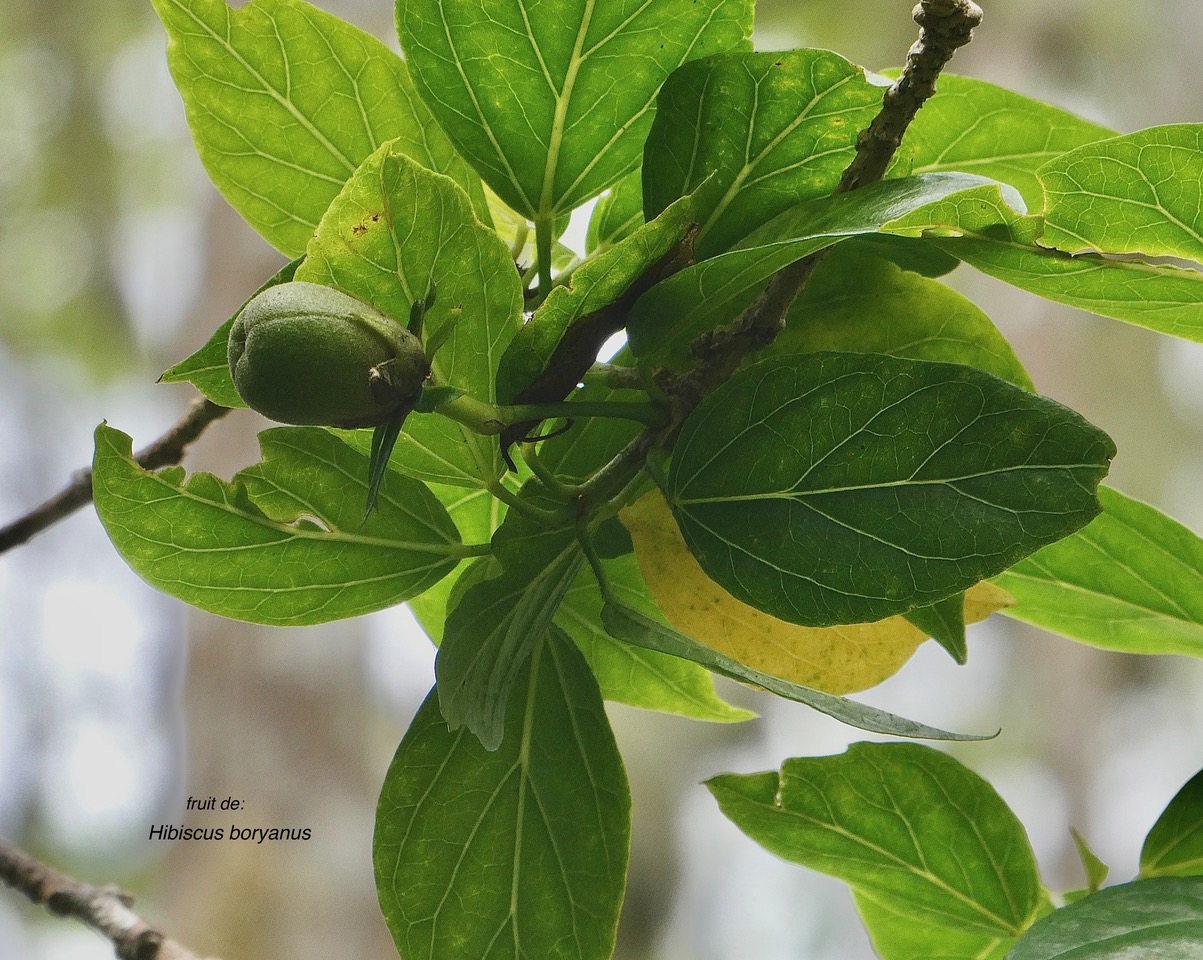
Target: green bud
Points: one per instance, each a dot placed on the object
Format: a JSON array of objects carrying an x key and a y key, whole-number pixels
[{"x": 308, "y": 354}]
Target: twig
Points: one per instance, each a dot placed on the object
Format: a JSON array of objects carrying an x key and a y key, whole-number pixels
[
  {"x": 104, "y": 909},
  {"x": 945, "y": 25},
  {"x": 168, "y": 449}
]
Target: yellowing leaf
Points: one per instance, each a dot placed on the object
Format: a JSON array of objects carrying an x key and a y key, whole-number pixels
[{"x": 837, "y": 660}]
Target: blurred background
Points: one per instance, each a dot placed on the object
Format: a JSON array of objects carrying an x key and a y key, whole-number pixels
[{"x": 117, "y": 258}]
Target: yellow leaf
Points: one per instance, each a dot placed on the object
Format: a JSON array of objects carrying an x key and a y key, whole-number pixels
[{"x": 837, "y": 660}]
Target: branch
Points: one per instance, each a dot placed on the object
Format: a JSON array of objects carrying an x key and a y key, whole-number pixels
[
  {"x": 945, "y": 25},
  {"x": 167, "y": 450},
  {"x": 104, "y": 909}
]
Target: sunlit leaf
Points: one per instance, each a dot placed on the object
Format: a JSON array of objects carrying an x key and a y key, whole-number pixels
[
  {"x": 395, "y": 232},
  {"x": 285, "y": 543},
  {"x": 285, "y": 101},
  {"x": 552, "y": 106},
  {"x": 1174, "y": 846},
  {"x": 981, "y": 228},
  {"x": 1139, "y": 193},
  {"x": 903, "y": 824},
  {"x": 1132, "y": 580}
]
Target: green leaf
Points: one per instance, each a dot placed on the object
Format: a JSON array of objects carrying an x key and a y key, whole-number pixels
[
  {"x": 976, "y": 127},
  {"x": 504, "y": 610},
  {"x": 980, "y": 228},
  {"x": 616, "y": 215},
  {"x": 552, "y": 106},
  {"x": 896, "y": 935},
  {"x": 208, "y": 369},
  {"x": 1174, "y": 847},
  {"x": 516, "y": 853},
  {"x": 1131, "y": 581},
  {"x": 634, "y": 675},
  {"x": 569, "y": 313},
  {"x": 285, "y": 101},
  {"x": 476, "y": 514},
  {"x": 944, "y": 622},
  {"x": 903, "y": 824},
  {"x": 762, "y": 130},
  {"x": 844, "y": 488},
  {"x": 1096, "y": 870},
  {"x": 668, "y": 317},
  {"x": 1140, "y": 193},
  {"x": 861, "y": 304},
  {"x": 631, "y": 626},
  {"x": 285, "y": 542},
  {"x": 395, "y": 230},
  {"x": 1161, "y": 918}
]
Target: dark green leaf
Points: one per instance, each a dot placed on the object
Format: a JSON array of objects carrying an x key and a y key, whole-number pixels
[
  {"x": 1174, "y": 847},
  {"x": 208, "y": 369},
  {"x": 552, "y": 105},
  {"x": 285, "y": 543},
  {"x": 1161, "y": 918},
  {"x": 630, "y": 674},
  {"x": 668, "y": 317},
  {"x": 285, "y": 101},
  {"x": 395, "y": 230},
  {"x": 976, "y": 127},
  {"x": 631, "y": 626},
  {"x": 844, "y": 488},
  {"x": 504, "y": 611},
  {"x": 1140, "y": 193},
  {"x": 861, "y": 304},
  {"x": 1132, "y": 581},
  {"x": 903, "y": 824},
  {"x": 516, "y": 853},
  {"x": 980, "y": 228},
  {"x": 762, "y": 130},
  {"x": 944, "y": 622}
]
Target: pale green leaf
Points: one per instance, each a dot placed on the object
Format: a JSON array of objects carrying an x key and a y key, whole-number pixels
[
  {"x": 1096, "y": 870},
  {"x": 511, "y": 854},
  {"x": 976, "y": 127},
  {"x": 761, "y": 131},
  {"x": 903, "y": 824},
  {"x": 843, "y": 488},
  {"x": 285, "y": 101},
  {"x": 861, "y": 304},
  {"x": 1159, "y": 918},
  {"x": 980, "y": 228},
  {"x": 1139, "y": 193},
  {"x": 394, "y": 231},
  {"x": 552, "y": 105},
  {"x": 1132, "y": 580},
  {"x": 896, "y": 935},
  {"x": 285, "y": 543},
  {"x": 1174, "y": 846},
  {"x": 616, "y": 215}
]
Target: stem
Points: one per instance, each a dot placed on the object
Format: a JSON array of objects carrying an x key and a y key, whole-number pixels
[
  {"x": 543, "y": 229},
  {"x": 106, "y": 910},
  {"x": 548, "y": 518},
  {"x": 616, "y": 378},
  {"x": 545, "y": 476},
  {"x": 490, "y": 419}
]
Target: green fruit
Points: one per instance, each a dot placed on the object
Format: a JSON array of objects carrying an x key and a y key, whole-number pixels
[{"x": 307, "y": 354}]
